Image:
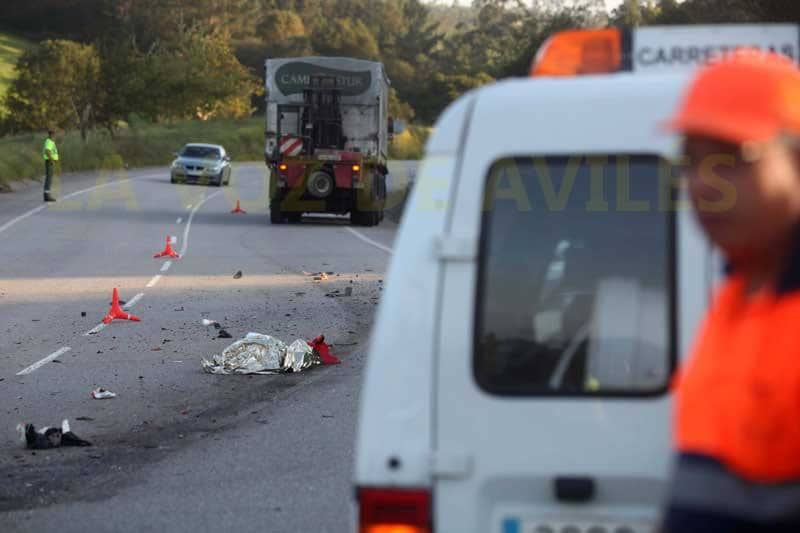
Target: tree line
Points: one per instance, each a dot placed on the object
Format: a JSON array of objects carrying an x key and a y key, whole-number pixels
[{"x": 102, "y": 62}]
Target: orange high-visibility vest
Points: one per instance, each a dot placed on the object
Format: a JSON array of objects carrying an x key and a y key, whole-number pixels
[{"x": 738, "y": 399}]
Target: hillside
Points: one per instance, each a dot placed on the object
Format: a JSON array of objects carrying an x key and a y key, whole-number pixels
[{"x": 11, "y": 47}]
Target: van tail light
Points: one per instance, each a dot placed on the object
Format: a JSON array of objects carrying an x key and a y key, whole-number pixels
[
  {"x": 394, "y": 511},
  {"x": 575, "y": 52}
]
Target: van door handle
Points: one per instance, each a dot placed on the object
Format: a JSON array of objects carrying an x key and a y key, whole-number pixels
[{"x": 574, "y": 489}]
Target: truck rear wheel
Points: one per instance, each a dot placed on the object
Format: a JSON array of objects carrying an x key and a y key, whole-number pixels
[
  {"x": 275, "y": 214},
  {"x": 365, "y": 218}
]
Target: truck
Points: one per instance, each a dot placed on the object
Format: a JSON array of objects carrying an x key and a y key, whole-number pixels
[{"x": 327, "y": 135}]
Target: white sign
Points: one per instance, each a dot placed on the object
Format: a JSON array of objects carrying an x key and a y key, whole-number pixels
[{"x": 667, "y": 49}]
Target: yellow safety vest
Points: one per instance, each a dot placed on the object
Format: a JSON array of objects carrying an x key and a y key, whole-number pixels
[{"x": 49, "y": 144}]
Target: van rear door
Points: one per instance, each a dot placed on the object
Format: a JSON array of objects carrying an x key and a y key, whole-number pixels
[{"x": 559, "y": 325}]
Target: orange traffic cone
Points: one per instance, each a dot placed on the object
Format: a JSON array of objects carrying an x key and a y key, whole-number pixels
[
  {"x": 168, "y": 251},
  {"x": 239, "y": 209},
  {"x": 116, "y": 312}
]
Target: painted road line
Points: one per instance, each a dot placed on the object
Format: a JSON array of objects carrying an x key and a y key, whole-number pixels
[
  {"x": 22, "y": 217},
  {"x": 166, "y": 266},
  {"x": 42, "y": 362},
  {"x": 133, "y": 301},
  {"x": 35, "y": 210},
  {"x": 369, "y": 241},
  {"x": 154, "y": 281},
  {"x": 95, "y": 330},
  {"x": 188, "y": 227},
  {"x": 180, "y": 219}
]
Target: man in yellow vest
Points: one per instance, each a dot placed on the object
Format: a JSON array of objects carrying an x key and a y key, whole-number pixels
[{"x": 50, "y": 155}]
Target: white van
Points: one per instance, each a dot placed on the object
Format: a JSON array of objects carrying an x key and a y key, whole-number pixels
[{"x": 546, "y": 278}]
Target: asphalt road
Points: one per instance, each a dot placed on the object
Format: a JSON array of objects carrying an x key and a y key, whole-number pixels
[{"x": 177, "y": 449}]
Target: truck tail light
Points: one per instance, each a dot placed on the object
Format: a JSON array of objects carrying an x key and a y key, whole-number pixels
[
  {"x": 356, "y": 168},
  {"x": 394, "y": 511},
  {"x": 283, "y": 167}
]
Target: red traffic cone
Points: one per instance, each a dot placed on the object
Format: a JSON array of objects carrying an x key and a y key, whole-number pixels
[
  {"x": 168, "y": 251},
  {"x": 116, "y": 312},
  {"x": 239, "y": 209}
]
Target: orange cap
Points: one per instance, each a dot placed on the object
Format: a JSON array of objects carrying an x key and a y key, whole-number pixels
[{"x": 748, "y": 96}]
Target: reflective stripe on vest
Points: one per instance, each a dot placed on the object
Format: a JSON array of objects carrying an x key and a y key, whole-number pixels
[{"x": 738, "y": 399}]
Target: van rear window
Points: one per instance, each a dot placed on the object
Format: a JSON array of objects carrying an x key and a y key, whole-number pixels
[{"x": 575, "y": 277}]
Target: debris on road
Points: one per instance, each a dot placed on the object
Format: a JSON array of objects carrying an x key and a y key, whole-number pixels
[
  {"x": 48, "y": 437},
  {"x": 238, "y": 275},
  {"x": 238, "y": 209},
  {"x": 320, "y": 276},
  {"x": 224, "y": 335},
  {"x": 102, "y": 394},
  {"x": 207, "y": 322},
  {"x": 83, "y": 313},
  {"x": 85, "y": 418},
  {"x": 264, "y": 354}
]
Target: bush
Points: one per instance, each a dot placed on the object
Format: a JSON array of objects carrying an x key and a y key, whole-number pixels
[{"x": 410, "y": 144}]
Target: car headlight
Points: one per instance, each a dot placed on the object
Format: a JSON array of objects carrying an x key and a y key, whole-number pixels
[{"x": 176, "y": 164}]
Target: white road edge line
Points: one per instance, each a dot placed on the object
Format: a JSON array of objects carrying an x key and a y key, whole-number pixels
[
  {"x": 44, "y": 361},
  {"x": 152, "y": 282},
  {"x": 370, "y": 241},
  {"x": 166, "y": 266},
  {"x": 35, "y": 210},
  {"x": 133, "y": 301},
  {"x": 185, "y": 245}
]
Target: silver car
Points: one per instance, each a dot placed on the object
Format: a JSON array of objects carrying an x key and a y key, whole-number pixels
[{"x": 207, "y": 164}]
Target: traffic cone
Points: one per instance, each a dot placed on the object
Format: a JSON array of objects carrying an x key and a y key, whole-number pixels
[
  {"x": 116, "y": 312},
  {"x": 168, "y": 251},
  {"x": 239, "y": 209}
]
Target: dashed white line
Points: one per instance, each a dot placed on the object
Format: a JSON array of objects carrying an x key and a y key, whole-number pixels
[
  {"x": 154, "y": 281},
  {"x": 185, "y": 245},
  {"x": 166, "y": 266},
  {"x": 369, "y": 241},
  {"x": 133, "y": 301},
  {"x": 42, "y": 362},
  {"x": 95, "y": 330},
  {"x": 180, "y": 219}
]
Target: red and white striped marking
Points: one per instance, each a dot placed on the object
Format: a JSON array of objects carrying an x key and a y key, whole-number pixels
[{"x": 291, "y": 146}]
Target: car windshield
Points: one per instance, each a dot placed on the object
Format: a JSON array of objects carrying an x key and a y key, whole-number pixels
[
  {"x": 201, "y": 152},
  {"x": 573, "y": 295}
]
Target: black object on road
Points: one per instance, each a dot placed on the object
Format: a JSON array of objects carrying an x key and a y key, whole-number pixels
[
  {"x": 238, "y": 275},
  {"x": 224, "y": 335},
  {"x": 48, "y": 437}
]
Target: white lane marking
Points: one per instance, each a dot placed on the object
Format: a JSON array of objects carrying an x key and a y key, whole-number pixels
[
  {"x": 133, "y": 301},
  {"x": 166, "y": 266},
  {"x": 35, "y": 210},
  {"x": 180, "y": 219},
  {"x": 369, "y": 241},
  {"x": 95, "y": 330},
  {"x": 44, "y": 361},
  {"x": 23, "y": 216},
  {"x": 153, "y": 281},
  {"x": 185, "y": 245}
]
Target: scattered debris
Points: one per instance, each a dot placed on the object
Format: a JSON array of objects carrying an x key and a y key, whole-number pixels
[
  {"x": 83, "y": 313},
  {"x": 206, "y": 322},
  {"x": 178, "y": 309},
  {"x": 224, "y": 335},
  {"x": 102, "y": 394},
  {"x": 348, "y": 291},
  {"x": 85, "y": 419},
  {"x": 48, "y": 437},
  {"x": 157, "y": 349},
  {"x": 320, "y": 276},
  {"x": 264, "y": 354},
  {"x": 238, "y": 275}
]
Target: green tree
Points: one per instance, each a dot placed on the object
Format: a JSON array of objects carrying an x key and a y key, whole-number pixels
[
  {"x": 345, "y": 37},
  {"x": 57, "y": 86}
]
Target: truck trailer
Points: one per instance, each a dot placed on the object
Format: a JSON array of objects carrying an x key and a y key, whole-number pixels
[{"x": 327, "y": 135}]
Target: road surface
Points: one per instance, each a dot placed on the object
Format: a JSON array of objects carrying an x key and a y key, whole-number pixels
[{"x": 177, "y": 449}]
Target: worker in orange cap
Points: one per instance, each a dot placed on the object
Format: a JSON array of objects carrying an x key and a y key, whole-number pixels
[{"x": 737, "y": 416}]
